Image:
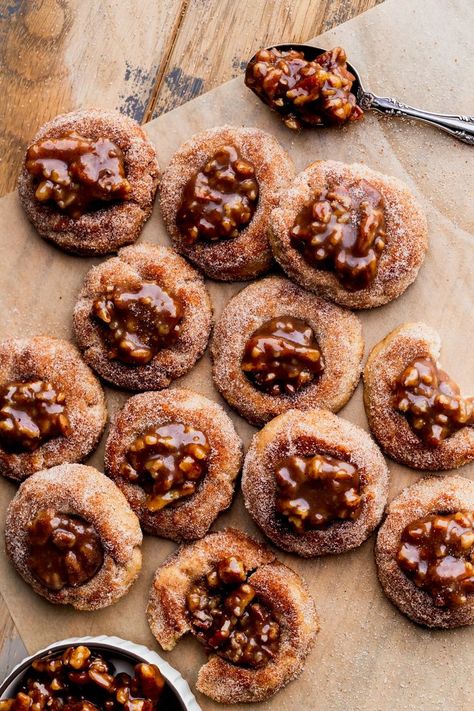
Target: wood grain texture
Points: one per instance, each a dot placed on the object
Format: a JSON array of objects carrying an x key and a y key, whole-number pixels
[
  {"x": 57, "y": 55},
  {"x": 217, "y": 37},
  {"x": 141, "y": 58}
]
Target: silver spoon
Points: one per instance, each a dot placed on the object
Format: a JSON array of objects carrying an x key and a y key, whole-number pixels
[{"x": 461, "y": 127}]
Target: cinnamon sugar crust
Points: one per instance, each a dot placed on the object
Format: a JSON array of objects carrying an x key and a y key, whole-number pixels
[
  {"x": 428, "y": 496},
  {"x": 59, "y": 363},
  {"x": 280, "y": 588},
  {"x": 337, "y": 331},
  {"x": 192, "y": 516},
  {"x": 132, "y": 266},
  {"x": 247, "y": 255},
  {"x": 104, "y": 230},
  {"x": 405, "y": 223},
  {"x": 391, "y": 429},
  {"x": 82, "y": 491},
  {"x": 304, "y": 434}
]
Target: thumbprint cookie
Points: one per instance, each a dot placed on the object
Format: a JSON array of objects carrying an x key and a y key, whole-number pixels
[
  {"x": 349, "y": 233},
  {"x": 72, "y": 536},
  {"x": 143, "y": 318},
  {"x": 253, "y": 615},
  {"x": 175, "y": 455},
  {"x": 278, "y": 347},
  {"x": 89, "y": 180},
  {"x": 425, "y": 552},
  {"x": 415, "y": 410},
  {"x": 52, "y": 408},
  {"x": 314, "y": 483},
  {"x": 217, "y": 195}
]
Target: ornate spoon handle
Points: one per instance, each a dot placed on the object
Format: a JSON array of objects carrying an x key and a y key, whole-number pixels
[{"x": 461, "y": 127}]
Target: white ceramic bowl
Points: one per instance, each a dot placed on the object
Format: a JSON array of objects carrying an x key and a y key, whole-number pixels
[{"x": 123, "y": 654}]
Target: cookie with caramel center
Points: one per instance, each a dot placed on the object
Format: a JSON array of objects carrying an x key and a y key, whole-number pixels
[
  {"x": 416, "y": 410},
  {"x": 349, "y": 234},
  {"x": 52, "y": 407},
  {"x": 217, "y": 194},
  {"x": 314, "y": 483},
  {"x": 143, "y": 318},
  {"x": 277, "y": 347},
  {"x": 89, "y": 181}
]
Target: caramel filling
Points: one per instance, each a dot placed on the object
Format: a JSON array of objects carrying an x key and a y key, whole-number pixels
[
  {"x": 313, "y": 492},
  {"x": 432, "y": 402},
  {"x": 343, "y": 231},
  {"x": 308, "y": 93},
  {"x": 63, "y": 550},
  {"x": 229, "y": 619},
  {"x": 220, "y": 200},
  {"x": 138, "y": 323},
  {"x": 282, "y": 356},
  {"x": 437, "y": 553},
  {"x": 81, "y": 679},
  {"x": 31, "y": 413},
  {"x": 77, "y": 174},
  {"x": 168, "y": 462}
]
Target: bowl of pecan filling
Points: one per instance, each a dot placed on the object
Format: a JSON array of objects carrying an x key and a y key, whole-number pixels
[{"x": 96, "y": 674}]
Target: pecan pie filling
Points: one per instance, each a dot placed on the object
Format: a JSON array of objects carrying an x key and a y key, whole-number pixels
[
  {"x": 432, "y": 402},
  {"x": 314, "y": 492},
  {"x": 306, "y": 93},
  {"x": 138, "y": 323},
  {"x": 437, "y": 553},
  {"x": 31, "y": 413},
  {"x": 220, "y": 200},
  {"x": 77, "y": 174},
  {"x": 343, "y": 231},
  {"x": 168, "y": 462},
  {"x": 63, "y": 550},
  {"x": 229, "y": 619},
  {"x": 82, "y": 679},
  {"x": 282, "y": 356}
]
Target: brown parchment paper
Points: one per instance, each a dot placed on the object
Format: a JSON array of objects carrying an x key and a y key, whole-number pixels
[{"x": 367, "y": 656}]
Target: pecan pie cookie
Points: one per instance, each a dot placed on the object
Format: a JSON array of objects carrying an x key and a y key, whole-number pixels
[
  {"x": 217, "y": 194},
  {"x": 143, "y": 318},
  {"x": 89, "y": 180},
  {"x": 254, "y": 616},
  {"x": 52, "y": 408},
  {"x": 349, "y": 234},
  {"x": 276, "y": 347},
  {"x": 72, "y": 536},
  {"x": 175, "y": 455},
  {"x": 415, "y": 411},
  {"x": 425, "y": 552},
  {"x": 314, "y": 483}
]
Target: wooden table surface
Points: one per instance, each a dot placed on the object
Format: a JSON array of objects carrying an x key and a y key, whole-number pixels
[{"x": 142, "y": 58}]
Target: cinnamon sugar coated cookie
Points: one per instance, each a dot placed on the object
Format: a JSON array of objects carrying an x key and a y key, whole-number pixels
[
  {"x": 52, "y": 408},
  {"x": 143, "y": 318},
  {"x": 425, "y": 552},
  {"x": 277, "y": 347},
  {"x": 72, "y": 536},
  {"x": 415, "y": 411},
  {"x": 175, "y": 455},
  {"x": 349, "y": 233},
  {"x": 267, "y": 640},
  {"x": 89, "y": 181},
  {"x": 217, "y": 194},
  {"x": 314, "y": 483}
]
